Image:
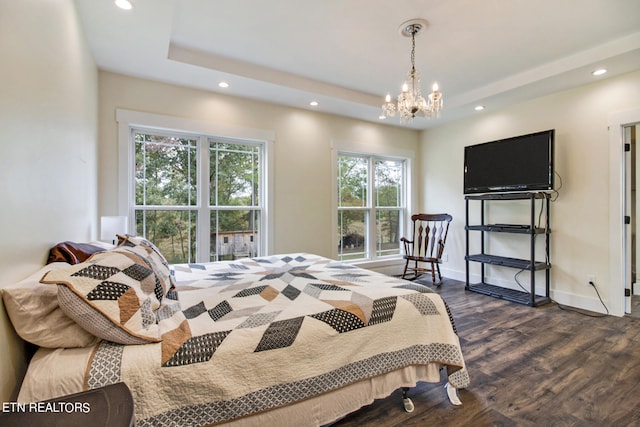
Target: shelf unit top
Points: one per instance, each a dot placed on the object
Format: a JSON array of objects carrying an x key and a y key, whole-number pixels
[
  {"x": 506, "y": 229},
  {"x": 509, "y": 196}
]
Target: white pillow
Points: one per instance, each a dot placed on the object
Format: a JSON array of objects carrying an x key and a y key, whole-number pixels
[{"x": 36, "y": 316}]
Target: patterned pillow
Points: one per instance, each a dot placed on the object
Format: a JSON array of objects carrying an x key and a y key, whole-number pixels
[
  {"x": 112, "y": 295},
  {"x": 153, "y": 256}
]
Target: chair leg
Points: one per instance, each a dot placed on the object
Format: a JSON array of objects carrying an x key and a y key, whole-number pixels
[
  {"x": 433, "y": 273},
  {"x": 406, "y": 265},
  {"x": 439, "y": 274}
]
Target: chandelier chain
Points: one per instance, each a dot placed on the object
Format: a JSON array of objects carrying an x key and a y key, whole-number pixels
[{"x": 413, "y": 48}]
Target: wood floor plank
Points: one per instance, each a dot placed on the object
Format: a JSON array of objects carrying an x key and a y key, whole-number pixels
[{"x": 528, "y": 367}]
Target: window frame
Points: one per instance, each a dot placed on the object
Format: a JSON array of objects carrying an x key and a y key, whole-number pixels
[
  {"x": 340, "y": 148},
  {"x": 129, "y": 121}
]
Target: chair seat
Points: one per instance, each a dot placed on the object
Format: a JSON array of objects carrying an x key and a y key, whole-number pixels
[{"x": 421, "y": 259}]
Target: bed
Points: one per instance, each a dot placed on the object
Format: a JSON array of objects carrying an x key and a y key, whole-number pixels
[{"x": 291, "y": 339}]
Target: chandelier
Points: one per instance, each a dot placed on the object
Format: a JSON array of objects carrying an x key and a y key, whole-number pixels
[{"x": 410, "y": 101}]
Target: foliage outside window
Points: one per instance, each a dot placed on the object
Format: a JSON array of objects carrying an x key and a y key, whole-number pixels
[
  {"x": 371, "y": 206},
  {"x": 235, "y": 200},
  {"x": 198, "y": 198}
]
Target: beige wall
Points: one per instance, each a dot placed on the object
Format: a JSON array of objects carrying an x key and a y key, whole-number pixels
[
  {"x": 48, "y": 126},
  {"x": 302, "y": 210},
  {"x": 580, "y": 216}
]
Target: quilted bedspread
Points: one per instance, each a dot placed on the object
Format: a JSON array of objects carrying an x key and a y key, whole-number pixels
[{"x": 246, "y": 336}]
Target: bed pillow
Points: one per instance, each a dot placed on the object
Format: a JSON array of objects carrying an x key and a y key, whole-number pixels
[
  {"x": 153, "y": 256},
  {"x": 111, "y": 295},
  {"x": 36, "y": 316},
  {"x": 73, "y": 252}
]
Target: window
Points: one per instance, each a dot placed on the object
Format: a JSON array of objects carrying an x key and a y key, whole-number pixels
[
  {"x": 198, "y": 198},
  {"x": 371, "y": 206},
  {"x": 235, "y": 170},
  {"x": 165, "y": 205}
]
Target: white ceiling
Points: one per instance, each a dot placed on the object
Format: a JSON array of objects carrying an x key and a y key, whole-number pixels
[{"x": 347, "y": 54}]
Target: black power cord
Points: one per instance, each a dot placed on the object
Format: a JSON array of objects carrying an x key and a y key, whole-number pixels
[
  {"x": 556, "y": 191},
  {"x": 561, "y": 307}
]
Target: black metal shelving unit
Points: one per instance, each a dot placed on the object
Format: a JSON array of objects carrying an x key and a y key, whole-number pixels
[{"x": 530, "y": 264}]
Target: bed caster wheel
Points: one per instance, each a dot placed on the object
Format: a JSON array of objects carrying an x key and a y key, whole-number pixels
[
  {"x": 408, "y": 404},
  {"x": 452, "y": 394},
  {"x": 406, "y": 400}
]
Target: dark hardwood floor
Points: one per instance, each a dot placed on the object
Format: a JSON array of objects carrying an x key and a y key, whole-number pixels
[
  {"x": 635, "y": 306},
  {"x": 529, "y": 367}
]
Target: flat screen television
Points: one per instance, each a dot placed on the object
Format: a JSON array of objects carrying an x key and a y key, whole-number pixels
[{"x": 520, "y": 163}]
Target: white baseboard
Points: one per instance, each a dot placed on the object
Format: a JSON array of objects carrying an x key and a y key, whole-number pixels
[
  {"x": 453, "y": 274},
  {"x": 579, "y": 301}
]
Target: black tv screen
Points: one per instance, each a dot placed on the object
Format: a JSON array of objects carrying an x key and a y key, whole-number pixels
[{"x": 521, "y": 163}]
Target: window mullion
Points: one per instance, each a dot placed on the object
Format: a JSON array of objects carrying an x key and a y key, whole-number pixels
[
  {"x": 204, "y": 217},
  {"x": 404, "y": 198},
  {"x": 371, "y": 213},
  {"x": 260, "y": 159}
]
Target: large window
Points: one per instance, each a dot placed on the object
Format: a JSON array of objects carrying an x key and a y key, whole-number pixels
[
  {"x": 371, "y": 206},
  {"x": 198, "y": 198}
]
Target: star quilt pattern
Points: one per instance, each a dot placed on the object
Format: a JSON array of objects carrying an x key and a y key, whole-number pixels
[{"x": 245, "y": 336}]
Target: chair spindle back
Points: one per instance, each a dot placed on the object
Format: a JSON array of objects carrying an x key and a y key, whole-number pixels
[{"x": 429, "y": 234}]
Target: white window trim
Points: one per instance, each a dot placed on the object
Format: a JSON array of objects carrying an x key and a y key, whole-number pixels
[
  {"x": 128, "y": 119},
  {"x": 363, "y": 149}
]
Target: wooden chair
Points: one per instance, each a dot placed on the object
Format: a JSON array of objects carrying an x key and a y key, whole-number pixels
[{"x": 426, "y": 245}]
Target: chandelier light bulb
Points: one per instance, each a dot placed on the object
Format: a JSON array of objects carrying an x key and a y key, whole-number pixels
[
  {"x": 435, "y": 87},
  {"x": 405, "y": 87},
  {"x": 387, "y": 98}
]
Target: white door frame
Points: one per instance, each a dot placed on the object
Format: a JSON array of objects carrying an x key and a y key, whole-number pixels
[{"x": 617, "y": 240}]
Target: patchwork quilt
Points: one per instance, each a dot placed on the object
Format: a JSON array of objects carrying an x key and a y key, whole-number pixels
[{"x": 246, "y": 336}]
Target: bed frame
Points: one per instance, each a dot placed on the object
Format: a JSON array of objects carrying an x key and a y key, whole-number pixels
[{"x": 314, "y": 410}]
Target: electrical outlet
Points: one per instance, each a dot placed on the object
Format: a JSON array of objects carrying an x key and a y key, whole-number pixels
[{"x": 591, "y": 280}]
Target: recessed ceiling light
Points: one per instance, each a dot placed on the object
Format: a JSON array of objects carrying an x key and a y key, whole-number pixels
[
  {"x": 599, "y": 71},
  {"x": 382, "y": 117},
  {"x": 479, "y": 107},
  {"x": 124, "y": 4},
  {"x": 314, "y": 103},
  {"x": 223, "y": 85}
]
